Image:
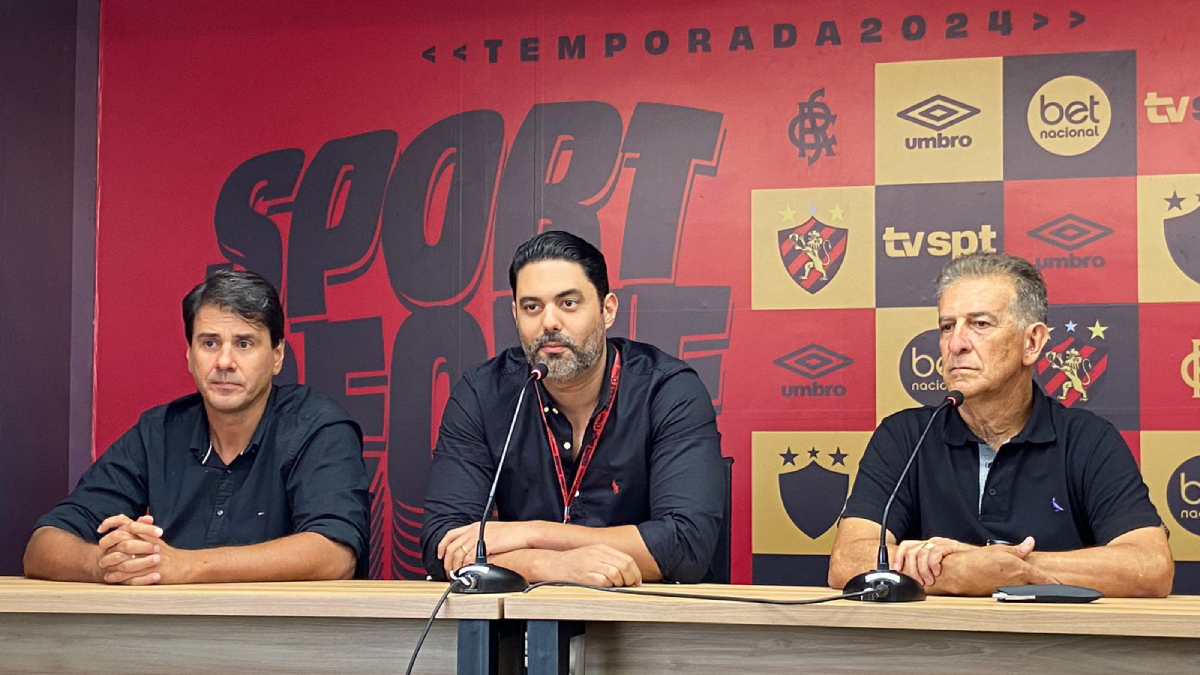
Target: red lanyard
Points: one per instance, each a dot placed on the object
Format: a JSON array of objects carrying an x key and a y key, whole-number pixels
[{"x": 585, "y": 459}]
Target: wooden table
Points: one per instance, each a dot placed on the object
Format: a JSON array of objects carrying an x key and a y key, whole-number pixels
[
  {"x": 340, "y": 627},
  {"x": 629, "y": 634}
]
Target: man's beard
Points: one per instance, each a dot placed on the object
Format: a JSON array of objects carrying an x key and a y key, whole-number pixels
[{"x": 574, "y": 361}]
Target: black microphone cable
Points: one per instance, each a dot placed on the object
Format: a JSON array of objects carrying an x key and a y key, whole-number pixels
[
  {"x": 429, "y": 624},
  {"x": 699, "y": 596}
]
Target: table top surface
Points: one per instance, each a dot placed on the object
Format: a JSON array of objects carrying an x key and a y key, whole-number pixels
[
  {"x": 354, "y": 599},
  {"x": 1175, "y": 616}
]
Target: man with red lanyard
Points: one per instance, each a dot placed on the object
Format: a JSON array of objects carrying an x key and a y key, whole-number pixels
[{"x": 614, "y": 474}]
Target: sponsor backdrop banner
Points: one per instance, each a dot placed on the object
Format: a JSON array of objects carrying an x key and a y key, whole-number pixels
[{"x": 775, "y": 185}]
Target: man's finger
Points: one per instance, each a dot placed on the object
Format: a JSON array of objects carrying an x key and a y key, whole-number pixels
[
  {"x": 144, "y": 580},
  {"x": 935, "y": 561},
  {"x": 113, "y": 538},
  {"x": 923, "y": 569},
  {"x": 143, "y": 529},
  {"x": 113, "y": 521},
  {"x": 138, "y": 565},
  {"x": 901, "y": 556}
]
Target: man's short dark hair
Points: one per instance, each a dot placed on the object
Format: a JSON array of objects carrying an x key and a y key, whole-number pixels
[
  {"x": 244, "y": 293},
  {"x": 559, "y": 245}
]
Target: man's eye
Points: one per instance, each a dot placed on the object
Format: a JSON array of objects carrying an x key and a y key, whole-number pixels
[
  {"x": 209, "y": 343},
  {"x": 244, "y": 344},
  {"x": 946, "y": 327},
  {"x": 982, "y": 324},
  {"x": 570, "y": 303},
  {"x": 531, "y": 308}
]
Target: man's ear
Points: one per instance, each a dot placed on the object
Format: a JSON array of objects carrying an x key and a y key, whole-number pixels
[
  {"x": 609, "y": 308},
  {"x": 1035, "y": 338},
  {"x": 279, "y": 350}
]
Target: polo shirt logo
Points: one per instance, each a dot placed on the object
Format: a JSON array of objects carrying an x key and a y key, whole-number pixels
[{"x": 1054, "y": 505}]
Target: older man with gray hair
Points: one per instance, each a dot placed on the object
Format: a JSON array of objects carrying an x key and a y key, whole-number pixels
[{"x": 1011, "y": 487}]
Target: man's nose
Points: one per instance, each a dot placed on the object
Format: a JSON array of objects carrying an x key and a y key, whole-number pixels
[
  {"x": 551, "y": 321},
  {"x": 225, "y": 360},
  {"x": 958, "y": 341}
]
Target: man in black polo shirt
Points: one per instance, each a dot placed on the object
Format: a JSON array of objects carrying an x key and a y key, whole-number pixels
[
  {"x": 242, "y": 481},
  {"x": 1012, "y": 487},
  {"x": 614, "y": 475}
]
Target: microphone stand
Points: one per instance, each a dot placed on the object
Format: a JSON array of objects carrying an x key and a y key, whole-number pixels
[
  {"x": 892, "y": 586},
  {"x": 482, "y": 576}
]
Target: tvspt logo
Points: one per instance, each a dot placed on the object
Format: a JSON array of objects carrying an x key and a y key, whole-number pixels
[
  {"x": 1069, "y": 115},
  {"x": 938, "y": 113},
  {"x": 921, "y": 228},
  {"x": 921, "y": 368},
  {"x": 1183, "y": 494},
  {"x": 1167, "y": 110},
  {"x": 813, "y": 495},
  {"x": 813, "y": 362},
  {"x": 1070, "y": 233},
  {"x": 812, "y": 253}
]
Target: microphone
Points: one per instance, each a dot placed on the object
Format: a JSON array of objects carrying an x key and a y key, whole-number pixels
[
  {"x": 892, "y": 586},
  {"x": 481, "y": 576}
]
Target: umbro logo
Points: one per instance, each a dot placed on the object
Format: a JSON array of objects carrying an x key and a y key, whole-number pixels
[
  {"x": 1070, "y": 232},
  {"x": 814, "y": 362},
  {"x": 938, "y": 112}
]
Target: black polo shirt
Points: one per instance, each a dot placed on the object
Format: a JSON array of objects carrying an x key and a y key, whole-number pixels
[
  {"x": 1068, "y": 479},
  {"x": 302, "y": 472},
  {"x": 657, "y": 464}
]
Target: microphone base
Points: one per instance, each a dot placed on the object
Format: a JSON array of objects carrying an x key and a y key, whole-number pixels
[
  {"x": 893, "y": 586},
  {"x": 487, "y": 578}
]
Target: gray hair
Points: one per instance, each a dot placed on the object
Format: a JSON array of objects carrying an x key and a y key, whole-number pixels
[{"x": 1029, "y": 297}]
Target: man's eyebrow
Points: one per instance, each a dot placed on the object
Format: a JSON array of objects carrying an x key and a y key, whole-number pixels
[
  {"x": 971, "y": 315},
  {"x": 560, "y": 296}
]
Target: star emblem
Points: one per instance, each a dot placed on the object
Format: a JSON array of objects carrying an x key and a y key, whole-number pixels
[
  {"x": 813, "y": 453},
  {"x": 839, "y": 457},
  {"x": 1097, "y": 330},
  {"x": 1174, "y": 201},
  {"x": 789, "y": 457},
  {"x": 835, "y": 214},
  {"x": 788, "y": 214},
  {"x": 1071, "y": 326}
]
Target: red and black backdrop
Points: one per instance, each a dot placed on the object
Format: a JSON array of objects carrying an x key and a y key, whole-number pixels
[{"x": 774, "y": 184}]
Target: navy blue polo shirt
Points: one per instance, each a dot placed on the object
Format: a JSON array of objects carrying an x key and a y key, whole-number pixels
[
  {"x": 1068, "y": 479},
  {"x": 302, "y": 472}
]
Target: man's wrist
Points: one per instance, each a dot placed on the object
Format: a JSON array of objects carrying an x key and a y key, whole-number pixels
[{"x": 538, "y": 534}]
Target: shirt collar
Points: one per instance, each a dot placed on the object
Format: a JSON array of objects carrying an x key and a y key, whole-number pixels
[
  {"x": 201, "y": 442},
  {"x": 1039, "y": 428}
]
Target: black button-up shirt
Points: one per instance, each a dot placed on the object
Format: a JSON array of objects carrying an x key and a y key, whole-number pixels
[
  {"x": 1068, "y": 479},
  {"x": 657, "y": 464},
  {"x": 302, "y": 472}
]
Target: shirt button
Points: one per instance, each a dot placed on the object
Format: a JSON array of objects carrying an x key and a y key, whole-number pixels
[
  {"x": 546, "y": 409},
  {"x": 555, "y": 410},
  {"x": 991, "y": 492},
  {"x": 567, "y": 445},
  {"x": 577, "y": 493},
  {"x": 220, "y": 512}
]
